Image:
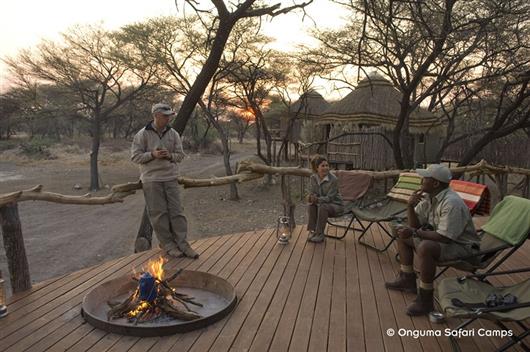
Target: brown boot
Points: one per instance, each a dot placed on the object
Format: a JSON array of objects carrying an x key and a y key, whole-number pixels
[
  {"x": 188, "y": 251},
  {"x": 423, "y": 304},
  {"x": 404, "y": 282},
  {"x": 317, "y": 238}
]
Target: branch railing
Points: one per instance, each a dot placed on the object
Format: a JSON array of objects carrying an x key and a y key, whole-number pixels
[{"x": 247, "y": 171}]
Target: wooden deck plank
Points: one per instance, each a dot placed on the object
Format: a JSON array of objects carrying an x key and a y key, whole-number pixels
[
  {"x": 372, "y": 330},
  {"x": 282, "y": 335},
  {"x": 398, "y": 301},
  {"x": 269, "y": 324},
  {"x": 337, "y": 328},
  {"x": 105, "y": 343},
  {"x": 260, "y": 289},
  {"x": 282, "y": 273},
  {"x": 354, "y": 312},
  {"x": 304, "y": 320},
  {"x": 318, "y": 340},
  {"x": 43, "y": 287},
  {"x": 382, "y": 299}
]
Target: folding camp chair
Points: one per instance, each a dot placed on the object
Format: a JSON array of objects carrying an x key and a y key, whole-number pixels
[
  {"x": 506, "y": 230},
  {"x": 467, "y": 297},
  {"x": 353, "y": 185},
  {"x": 392, "y": 207}
]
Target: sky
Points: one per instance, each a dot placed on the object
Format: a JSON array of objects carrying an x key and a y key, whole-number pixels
[{"x": 24, "y": 23}]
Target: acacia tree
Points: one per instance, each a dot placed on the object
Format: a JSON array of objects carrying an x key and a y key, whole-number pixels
[
  {"x": 429, "y": 49},
  {"x": 225, "y": 18},
  {"x": 259, "y": 72},
  {"x": 179, "y": 46},
  {"x": 103, "y": 69}
]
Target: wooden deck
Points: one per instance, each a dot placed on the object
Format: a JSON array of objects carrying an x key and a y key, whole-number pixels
[{"x": 298, "y": 297}]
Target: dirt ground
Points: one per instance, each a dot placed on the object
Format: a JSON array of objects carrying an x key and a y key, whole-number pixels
[{"x": 64, "y": 238}]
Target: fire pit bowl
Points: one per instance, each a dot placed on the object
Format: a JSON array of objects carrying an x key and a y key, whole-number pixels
[{"x": 216, "y": 294}]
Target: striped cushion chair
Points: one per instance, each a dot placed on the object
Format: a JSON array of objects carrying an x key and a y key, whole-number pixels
[
  {"x": 392, "y": 207},
  {"x": 475, "y": 195}
]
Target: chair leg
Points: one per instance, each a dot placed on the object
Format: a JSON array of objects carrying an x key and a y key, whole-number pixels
[
  {"x": 500, "y": 261},
  {"x": 441, "y": 272},
  {"x": 385, "y": 231},
  {"x": 351, "y": 226},
  {"x": 515, "y": 339},
  {"x": 453, "y": 340}
]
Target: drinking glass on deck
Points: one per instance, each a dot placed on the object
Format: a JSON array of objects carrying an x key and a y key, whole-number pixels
[{"x": 395, "y": 225}]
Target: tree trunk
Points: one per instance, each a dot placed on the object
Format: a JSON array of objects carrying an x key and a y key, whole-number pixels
[
  {"x": 144, "y": 238},
  {"x": 96, "y": 140},
  {"x": 288, "y": 205},
  {"x": 234, "y": 195},
  {"x": 208, "y": 70},
  {"x": 400, "y": 134},
  {"x": 14, "y": 246},
  {"x": 258, "y": 140}
]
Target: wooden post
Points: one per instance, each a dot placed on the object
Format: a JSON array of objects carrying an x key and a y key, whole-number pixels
[
  {"x": 288, "y": 205},
  {"x": 14, "y": 245},
  {"x": 502, "y": 184}
]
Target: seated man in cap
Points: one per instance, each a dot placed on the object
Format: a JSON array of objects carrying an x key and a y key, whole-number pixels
[
  {"x": 157, "y": 148},
  {"x": 439, "y": 228}
]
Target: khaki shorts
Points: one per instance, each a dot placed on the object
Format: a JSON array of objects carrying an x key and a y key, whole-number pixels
[{"x": 451, "y": 251}]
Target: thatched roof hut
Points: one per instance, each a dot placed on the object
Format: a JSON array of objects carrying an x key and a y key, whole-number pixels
[
  {"x": 374, "y": 107},
  {"x": 310, "y": 105},
  {"x": 304, "y": 113},
  {"x": 376, "y": 102}
]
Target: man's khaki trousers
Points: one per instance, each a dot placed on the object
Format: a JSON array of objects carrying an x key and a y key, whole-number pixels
[{"x": 165, "y": 213}]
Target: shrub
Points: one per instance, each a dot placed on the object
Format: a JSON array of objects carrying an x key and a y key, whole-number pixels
[{"x": 37, "y": 148}]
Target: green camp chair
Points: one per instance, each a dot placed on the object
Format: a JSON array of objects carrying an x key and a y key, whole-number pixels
[
  {"x": 506, "y": 230},
  {"x": 466, "y": 297},
  {"x": 392, "y": 207}
]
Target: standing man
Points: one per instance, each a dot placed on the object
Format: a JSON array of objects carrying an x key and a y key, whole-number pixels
[
  {"x": 439, "y": 228},
  {"x": 157, "y": 148}
]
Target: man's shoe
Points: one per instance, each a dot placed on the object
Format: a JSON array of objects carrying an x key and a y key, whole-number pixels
[
  {"x": 310, "y": 235},
  {"x": 189, "y": 252},
  {"x": 175, "y": 253},
  {"x": 423, "y": 304},
  {"x": 317, "y": 238},
  {"x": 405, "y": 282}
]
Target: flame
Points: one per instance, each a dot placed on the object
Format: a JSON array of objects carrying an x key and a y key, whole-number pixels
[
  {"x": 144, "y": 305},
  {"x": 155, "y": 268}
]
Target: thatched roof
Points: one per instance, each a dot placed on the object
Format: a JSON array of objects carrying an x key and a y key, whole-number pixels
[
  {"x": 376, "y": 101},
  {"x": 310, "y": 105}
]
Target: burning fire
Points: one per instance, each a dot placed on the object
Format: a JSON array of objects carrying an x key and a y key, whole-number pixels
[
  {"x": 155, "y": 268},
  {"x": 154, "y": 297},
  {"x": 144, "y": 305}
]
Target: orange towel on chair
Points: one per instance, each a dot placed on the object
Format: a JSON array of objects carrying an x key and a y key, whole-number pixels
[{"x": 475, "y": 195}]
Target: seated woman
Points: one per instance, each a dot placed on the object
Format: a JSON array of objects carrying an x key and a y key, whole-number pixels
[{"x": 324, "y": 199}]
